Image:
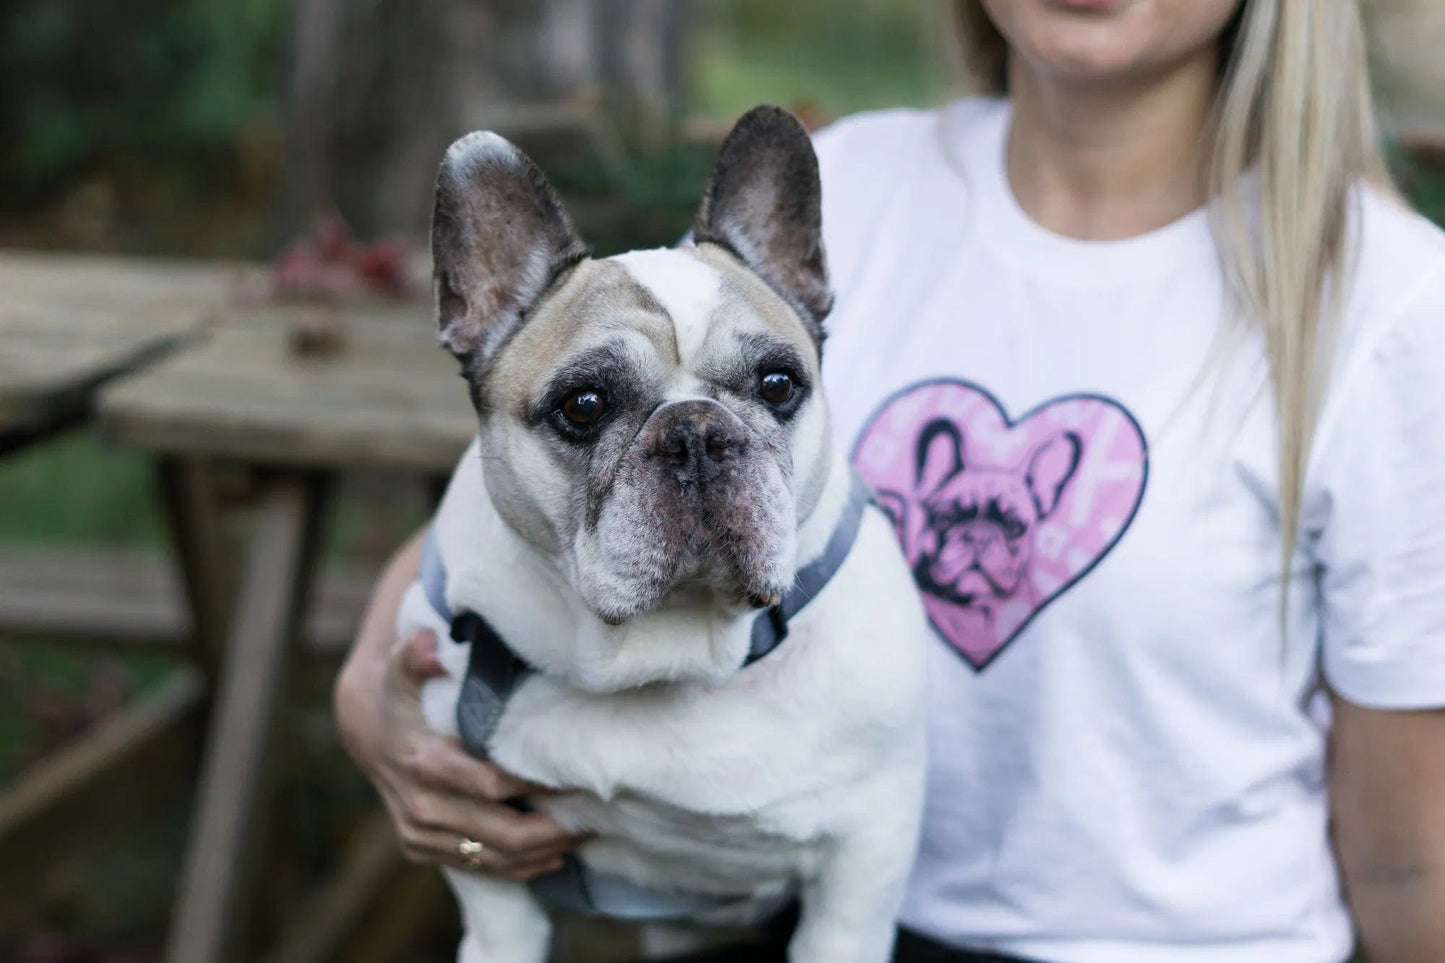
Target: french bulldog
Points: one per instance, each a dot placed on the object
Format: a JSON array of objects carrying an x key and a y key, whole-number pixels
[
  {"x": 979, "y": 520},
  {"x": 653, "y": 470}
]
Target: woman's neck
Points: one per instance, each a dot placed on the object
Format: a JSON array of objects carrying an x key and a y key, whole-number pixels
[{"x": 1109, "y": 161}]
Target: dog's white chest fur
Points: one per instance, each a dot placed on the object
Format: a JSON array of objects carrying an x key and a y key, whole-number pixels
[{"x": 742, "y": 785}]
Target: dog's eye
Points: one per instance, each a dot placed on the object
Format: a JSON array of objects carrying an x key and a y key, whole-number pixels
[
  {"x": 776, "y": 387},
  {"x": 1012, "y": 526},
  {"x": 584, "y": 408}
]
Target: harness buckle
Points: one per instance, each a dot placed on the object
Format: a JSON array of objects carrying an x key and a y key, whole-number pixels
[{"x": 466, "y": 626}]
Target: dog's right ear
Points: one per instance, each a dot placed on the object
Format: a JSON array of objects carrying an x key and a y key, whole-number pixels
[
  {"x": 499, "y": 240},
  {"x": 1050, "y": 467}
]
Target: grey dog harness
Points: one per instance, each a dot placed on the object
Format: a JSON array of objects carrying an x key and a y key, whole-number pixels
[{"x": 495, "y": 671}]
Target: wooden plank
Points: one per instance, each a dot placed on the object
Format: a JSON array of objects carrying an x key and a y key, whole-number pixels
[
  {"x": 88, "y": 792},
  {"x": 70, "y": 323},
  {"x": 126, "y": 598},
  {"x": 390, "y": 397},
  {"x": 230, "y": 817},
  {"x": 323, "y": 922},
  {"x": 199, "y": 538}
]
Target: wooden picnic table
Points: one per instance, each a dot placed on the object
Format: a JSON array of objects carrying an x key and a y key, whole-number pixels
[
  {"x": 71, "y": 323},
  {"x": 387, "y": 398}
]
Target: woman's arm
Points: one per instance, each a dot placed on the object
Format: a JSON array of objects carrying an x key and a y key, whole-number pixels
[
  {"x": 1387, "y": 785},
  {"x": 436, "y": 793}
]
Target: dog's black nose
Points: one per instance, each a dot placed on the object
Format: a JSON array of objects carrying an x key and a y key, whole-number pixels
[{"x": 695, "y": 440}]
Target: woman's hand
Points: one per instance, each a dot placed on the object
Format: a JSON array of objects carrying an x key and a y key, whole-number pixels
[{"x": 437, "y": 794}]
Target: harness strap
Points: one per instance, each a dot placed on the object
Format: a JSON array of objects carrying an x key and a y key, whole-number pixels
[
  {"x": 770, "y": 628},
  {"x": 494, "y": 670}
]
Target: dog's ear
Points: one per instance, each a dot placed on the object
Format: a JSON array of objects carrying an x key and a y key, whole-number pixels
[
  {"x": 499, "y": 239},
  {"x": 938, "y": 454},
  {"x": 1050, "y": 468},
  {"x": 764, "y": 203}
]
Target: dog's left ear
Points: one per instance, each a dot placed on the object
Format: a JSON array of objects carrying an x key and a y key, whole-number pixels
[
  {"x": 764, "y": 203},
  {"x": 500, "y": 238}
]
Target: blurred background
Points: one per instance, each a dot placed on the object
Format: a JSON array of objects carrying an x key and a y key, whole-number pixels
[{"x": 298, "y": 141}]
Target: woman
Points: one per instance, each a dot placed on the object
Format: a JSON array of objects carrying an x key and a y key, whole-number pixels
[{"x": 1149, "y": 365}]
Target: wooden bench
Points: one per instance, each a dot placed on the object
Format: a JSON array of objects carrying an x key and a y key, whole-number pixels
[{"x": 243, "y": 398}]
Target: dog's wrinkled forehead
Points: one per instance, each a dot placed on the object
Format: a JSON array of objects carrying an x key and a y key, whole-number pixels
[
  {"x": 710, "y": 298},
  {"x": 689, "y": 290},
  {"x": 671, "y": 310}
]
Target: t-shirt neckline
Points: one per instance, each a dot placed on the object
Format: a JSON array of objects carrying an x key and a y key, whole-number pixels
[{"x": 975, "y": 135}]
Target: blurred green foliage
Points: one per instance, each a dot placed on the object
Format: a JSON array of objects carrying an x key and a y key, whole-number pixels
[
  {"x": 823, "y": 58},
  {"x": 53, "y": 677},
  {"x": 835, "y": 56},
  {"x": 77, "y": 491},
  {"x": 174, "y": 87},
  {"x": 1422, "y": 182},
  {"x": 624, "y": 199}
]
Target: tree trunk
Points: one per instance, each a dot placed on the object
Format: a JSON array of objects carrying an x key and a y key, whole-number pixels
[{"x": 380, "y": 87}]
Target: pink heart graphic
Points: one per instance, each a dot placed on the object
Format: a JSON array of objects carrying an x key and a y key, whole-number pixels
[{"x": 997, "y": 517}]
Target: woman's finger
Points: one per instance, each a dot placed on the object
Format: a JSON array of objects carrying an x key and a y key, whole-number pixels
[
  {"x": 442, "y": 764},
  {"x": 501, "y": 829},
  {"x": 418, "y": 656},
  {"x": 423, "y": 816},
  {"x": 515, "y": 834},
  {"x": 445, "y": 847}
]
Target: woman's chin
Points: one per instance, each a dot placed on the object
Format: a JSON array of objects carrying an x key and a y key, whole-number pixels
[{"x": 1100, "y": 42}]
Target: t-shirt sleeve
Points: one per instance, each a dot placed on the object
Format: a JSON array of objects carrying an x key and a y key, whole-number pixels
[{"x": 1381, "y": 548}]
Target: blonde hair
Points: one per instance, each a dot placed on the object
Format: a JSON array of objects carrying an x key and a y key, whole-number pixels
[{"x": 1294, "y": 108}]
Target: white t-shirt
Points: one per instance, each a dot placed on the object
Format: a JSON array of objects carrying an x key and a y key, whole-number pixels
[{"x": 1079, "y": 450}]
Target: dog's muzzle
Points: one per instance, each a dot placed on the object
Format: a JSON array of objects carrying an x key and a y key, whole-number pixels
[{"x": 696, "y": 442}]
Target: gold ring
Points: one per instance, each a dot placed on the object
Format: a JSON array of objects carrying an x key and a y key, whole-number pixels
[{"x": 471, "y": 851}]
